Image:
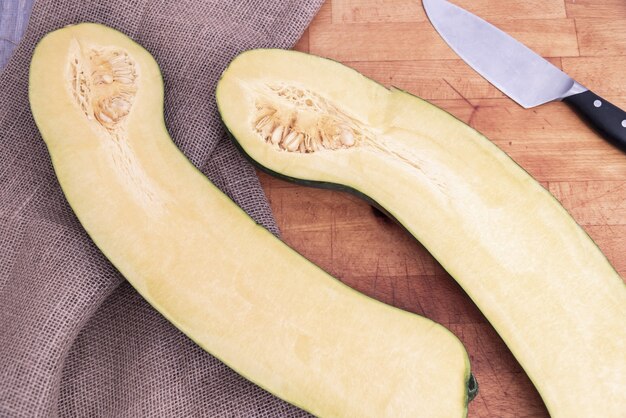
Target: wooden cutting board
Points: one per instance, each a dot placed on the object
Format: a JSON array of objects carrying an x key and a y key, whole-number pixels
[{"x": 392, "y": 42}]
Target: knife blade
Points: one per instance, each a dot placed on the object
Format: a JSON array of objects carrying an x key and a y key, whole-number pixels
[{"x": 518, "y": 71}]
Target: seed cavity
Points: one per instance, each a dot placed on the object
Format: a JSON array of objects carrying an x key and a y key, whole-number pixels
[
  {"x": 296, "y": 119},
  {"x": 103, "y": 81}
]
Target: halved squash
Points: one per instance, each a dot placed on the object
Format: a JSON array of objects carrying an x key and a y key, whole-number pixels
[
  {"x": 535, "y": 274},
  {"x": 229, "y": 284}
]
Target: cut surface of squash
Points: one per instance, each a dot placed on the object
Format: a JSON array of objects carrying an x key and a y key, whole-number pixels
[
  {"x": 230, "y": 285},
  {"x": 536, "y": 275}
]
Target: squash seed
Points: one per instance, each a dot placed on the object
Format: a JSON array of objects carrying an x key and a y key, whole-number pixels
[
  {"x": 292, "y": 141},
  {"x": 298, "y": 120},
  {"x": 103, "y": 82},
  {"x": 347, "y": 138},
  {"x": 277, "y": 135},
  {"x": 104, "y": 118}
]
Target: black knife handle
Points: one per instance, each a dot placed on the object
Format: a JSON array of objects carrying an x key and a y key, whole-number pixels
[{"x": 606, "y": 118}]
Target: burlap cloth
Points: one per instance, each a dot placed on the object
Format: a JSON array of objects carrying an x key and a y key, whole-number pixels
[{"x": 75, "y": 338}]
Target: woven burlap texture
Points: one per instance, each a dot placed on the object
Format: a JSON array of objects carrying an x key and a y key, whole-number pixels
[{"x": 75, "y": 339}]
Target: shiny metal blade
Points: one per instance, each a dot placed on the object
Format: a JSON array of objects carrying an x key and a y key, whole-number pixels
[{"x": 516, "y": 70}]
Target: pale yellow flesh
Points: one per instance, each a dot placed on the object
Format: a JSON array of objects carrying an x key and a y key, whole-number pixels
[
  {"x": 226, "y": 282},
  {"x": 534, "y": 273}
]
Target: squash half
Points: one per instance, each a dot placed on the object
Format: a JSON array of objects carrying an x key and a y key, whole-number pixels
[
  {"x": 230, "y": 285},
  {"x": 535, "y": 274}
]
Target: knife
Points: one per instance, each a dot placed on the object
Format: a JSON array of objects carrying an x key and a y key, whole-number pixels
[{"x": 519, "y": 72}]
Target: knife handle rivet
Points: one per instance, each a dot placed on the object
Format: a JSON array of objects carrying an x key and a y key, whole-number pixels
[
  {"x": 597, "y": 103},
  {"x": 624, "y": 123}
]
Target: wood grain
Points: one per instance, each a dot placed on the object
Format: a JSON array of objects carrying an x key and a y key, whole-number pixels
[
  {"x": 595, "y": 203},
  {"x": 362, "y": 11},
  {"x": 418, "y": 41},
  {"x": 392, "y": 42},
  {"x": 605, "y": 75},
  {"x": 599, "y": 37},
  {"x": 604, "y": 9},
  {"x": 432, "y": 78}
]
